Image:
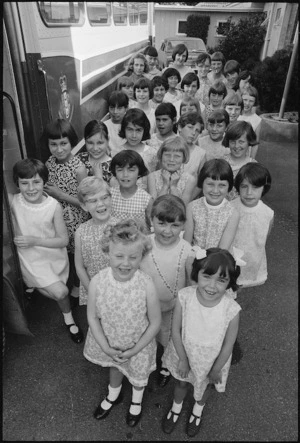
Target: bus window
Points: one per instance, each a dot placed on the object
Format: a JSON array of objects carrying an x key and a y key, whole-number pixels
[
  {"x": 62, "y": 13},
  {"x": 120, "y": 13},
  {"x": 143, "y": 10},
  {"x": 99, "y": 13},
  {"x": 133, "y": 13}
]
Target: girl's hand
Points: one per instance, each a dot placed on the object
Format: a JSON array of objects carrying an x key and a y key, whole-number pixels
[
  {"x": 183, "y": 368},
  {"x": 175, "y": 178},
  {"x": 25, "y": 241},
  {"x": 113, "y": 353},
  {"x": 97, "y": 170},
  {"x": 215, "y": 376},
  {"x": 53, "y": 190},
  {"x": 166, "y": 176},
  {"x": 128, "y": 353}
]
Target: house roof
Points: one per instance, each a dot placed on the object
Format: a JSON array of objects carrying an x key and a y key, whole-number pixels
[{"x": 215, "y": 6}]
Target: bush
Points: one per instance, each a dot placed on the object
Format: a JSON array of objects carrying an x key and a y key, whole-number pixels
[
  {"x": 243, "y": 40},
  {"x": 197, "y": 26},
  {"x": 270, "y": 77}
]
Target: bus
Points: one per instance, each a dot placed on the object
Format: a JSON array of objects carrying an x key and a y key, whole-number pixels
[{"x": 60, "y": 60}]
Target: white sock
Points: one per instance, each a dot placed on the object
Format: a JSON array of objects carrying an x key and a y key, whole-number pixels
[
  {"x": 197, "y": 410},
  {"x": 176, "y": 407},
  {"x": 70, "y": 320},
  {"x": 113, "y": 394},
  {"x": 137, "y": 397}
]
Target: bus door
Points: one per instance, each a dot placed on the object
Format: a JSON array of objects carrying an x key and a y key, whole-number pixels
[{"x": 13, "y": 297}]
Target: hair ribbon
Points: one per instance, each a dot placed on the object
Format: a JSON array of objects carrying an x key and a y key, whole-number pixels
[
  {"x": 237, "y": 254},
  {"x": 199, "y": 252}
]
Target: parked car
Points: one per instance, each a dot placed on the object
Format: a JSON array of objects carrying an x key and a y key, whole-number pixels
[{"x": 194, "y": 45}]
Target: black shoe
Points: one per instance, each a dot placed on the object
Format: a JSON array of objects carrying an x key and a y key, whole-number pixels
[
  {"x": 162, "y": 379},
  {"x": 192, "y": 429},
  {"x": 101, "y": 413},
  {"x": 78, "y": 336},
  {"x": 168, "y": 424},
  {"x": 131, "y": 419}
]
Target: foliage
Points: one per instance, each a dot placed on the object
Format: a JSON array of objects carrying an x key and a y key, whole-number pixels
[
  {"x": 197, "y": 26},
  {"x": 270, "y": 77},
  {"x": 243, "y": 40}
]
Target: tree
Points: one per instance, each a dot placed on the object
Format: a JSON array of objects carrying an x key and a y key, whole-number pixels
[
  {"x": 243, "y": 40},
  {"x": 197, "y": 26}
]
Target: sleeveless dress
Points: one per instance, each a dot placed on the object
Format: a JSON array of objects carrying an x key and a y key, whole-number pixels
[
  {"x": 209, "y": 222},
  {"x": 40, "y": 266},
  {"x": 122, "y": 308},
  {"x": 203, "y": 332},
  {"x": 251, "y": 237},
  {"x": 94, "y": 259},
  {"x": 106, "y": 172},
  {"x": 63, "y": 175},
  {"x": 133, "y": 207},
  {"x": 166, "y": 267}
]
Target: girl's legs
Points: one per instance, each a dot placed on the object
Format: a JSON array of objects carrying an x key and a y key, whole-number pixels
[
  {"x": 113, "y": 397},
  {"x": 170, "y": 420},
  {"x": 193, "y": 424},
  {"x": 58, "y": 291}
]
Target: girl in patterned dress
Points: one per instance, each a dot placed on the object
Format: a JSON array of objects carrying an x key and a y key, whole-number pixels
[
  {"x": 171, "y": 178},
  {"x": 94, "y": 195},
  {"x": 124, "y": 317},
  {"x": 256, "y": 220},
  {"x": 128, "y": 199},
  {"x": 212, "y": 220},
  {"x": 41, "y": 238},
  {"x": 135, "y": 128},
  {"x": 204, "y": 328},
  {"x": 97, "y": 157},
  {"x": 65, "y": 173}
]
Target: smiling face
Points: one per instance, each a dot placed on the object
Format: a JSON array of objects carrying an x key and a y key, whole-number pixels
[
  {"x": 249, "y": 102},
  {"x": 211, "y": 287},
  {"x": 125, "y": 259},
  {"x": 216, "y": 66},
  {"x": 250, "y": 194},
  {"x": 180, "y": 59},
  {"x": 97, "y": 146},
  {"x": 233, "y": 111},
  {"x": 127, "y": 176},
  {"x": 231, "y": 78},
  {"x": 98, "y": 205},
  {"x": 32, "y": 189},
  {"x": 142, "y": 95},
  {"x": 172, "y": 81},
  {"x": 214, "y": 190},
  {"x": 117, "y": 113},
  {"x": 239, "y": 148},
  {"x": 216, "y": 99},
  {"x": 171, "y": 160},
  {"x": 61, "y": 149},
  {"x": 158, "y": 94},
  {"x": 190, "y": 90},
  {"x": 167, "y": 233},
  {"x": 216, "y": 130},
  {"x": 134, "y": 134},
  {"x": 152, "y": 61},
  {"x": 203, "y": 69}
]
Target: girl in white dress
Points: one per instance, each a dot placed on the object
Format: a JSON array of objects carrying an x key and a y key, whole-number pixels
[
  {"x": 124, "y": 317},
  {"x": 256, "y": 220},
  {"x": 204, "y": 329},
  {"x": 41, "y": 238}
]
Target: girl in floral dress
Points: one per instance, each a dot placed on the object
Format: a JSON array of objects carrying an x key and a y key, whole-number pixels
[
  {"x": 65, "y": 173},
  {"x": 124, "y": 317},
  {"x": 204, "y": 329},
  {"x": 94, "y": 195}
]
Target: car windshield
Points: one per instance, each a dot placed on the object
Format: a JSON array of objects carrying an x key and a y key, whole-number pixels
[{"x": 190, "y": 44}]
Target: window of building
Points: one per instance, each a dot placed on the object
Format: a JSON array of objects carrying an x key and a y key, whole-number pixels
[
  {"x": 222, "y": 27},
  {"x": 99, "y": 13},
  {"x": 133, "y": 9},
  {"x": 182, "y": 26},
  {"x": 120, "y": 13},
  {"x": 62, "y": 13},
  {"x": 143, "y": 11},
  {"x": 278, "y": 14}
]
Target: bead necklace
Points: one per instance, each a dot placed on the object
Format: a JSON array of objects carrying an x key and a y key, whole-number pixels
[{"x": 174, "y": 290}]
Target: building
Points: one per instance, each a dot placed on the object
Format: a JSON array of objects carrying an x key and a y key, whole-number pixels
[{"x": 280, "y": 22}]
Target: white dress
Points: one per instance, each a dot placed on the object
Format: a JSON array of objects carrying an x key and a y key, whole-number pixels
[
  {"x": 203, "y": 332},
  {"x": 122, "y": 308},
  {"x": 40, "y": 266},
  {"x": 251, "y": 237},
  {"x": 115, "y": 141}
]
